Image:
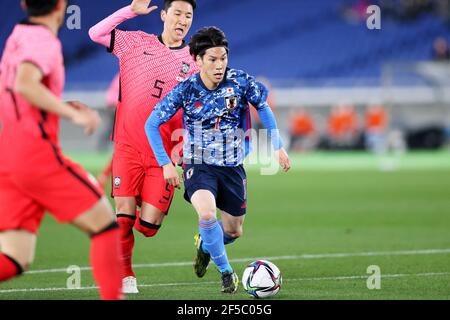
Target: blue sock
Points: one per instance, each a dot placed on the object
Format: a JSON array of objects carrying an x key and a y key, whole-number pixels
[
  {"x": 226, "y": 238},
  {"x": 212, "y": 236}
]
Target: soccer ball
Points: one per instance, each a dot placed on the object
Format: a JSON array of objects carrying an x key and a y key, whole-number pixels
[{"x": 262, "y": 279}]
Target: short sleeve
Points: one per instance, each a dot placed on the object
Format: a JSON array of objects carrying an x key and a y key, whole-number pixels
[
  {"x": 256, "y": 93},
  {"x": 42, "y": 54}
]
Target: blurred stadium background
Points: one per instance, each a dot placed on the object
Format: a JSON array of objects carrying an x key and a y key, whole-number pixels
[
  {"x": 316, "y": 55},
  {"x": 327, "y": 70}
]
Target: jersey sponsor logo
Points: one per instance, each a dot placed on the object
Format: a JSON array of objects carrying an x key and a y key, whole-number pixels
[
  {"x": 116, "y": 182},
  {"x": 148, "y": 53},
  {"x": 231, "y": 103}
]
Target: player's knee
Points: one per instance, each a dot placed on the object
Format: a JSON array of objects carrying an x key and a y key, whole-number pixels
[
  {"x": 146, "y": 228},
  {"x": 207, "y": 215},
  {"x": 148, "y": 233}
]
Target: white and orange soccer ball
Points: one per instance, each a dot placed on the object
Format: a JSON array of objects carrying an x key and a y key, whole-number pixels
[{"x": 262, "y": 279}]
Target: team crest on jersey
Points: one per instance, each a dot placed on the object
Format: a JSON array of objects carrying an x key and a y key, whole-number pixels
[
  {"x": 185, "y": 68},
  {"x": 117, "y": 182},
  {"x": 231, "y": 103},
  {"x": 189, "y": 173}
]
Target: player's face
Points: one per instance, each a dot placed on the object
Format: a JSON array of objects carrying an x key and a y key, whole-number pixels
[
  {"x": 213, "y": 65},
  {"x": 177, "y": 20}
]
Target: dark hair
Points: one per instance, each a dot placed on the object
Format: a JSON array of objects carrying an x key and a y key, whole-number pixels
[
  {"x": 36, "y": 8},
  {"x": 206, "y": 38},
  {"x": 168, "y": 3}
]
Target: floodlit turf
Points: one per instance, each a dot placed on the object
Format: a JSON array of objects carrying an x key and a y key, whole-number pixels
[{"x": 323, "y": 224}]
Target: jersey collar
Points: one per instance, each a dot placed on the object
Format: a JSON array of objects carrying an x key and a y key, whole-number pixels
[{"x": 183, "y": 44}]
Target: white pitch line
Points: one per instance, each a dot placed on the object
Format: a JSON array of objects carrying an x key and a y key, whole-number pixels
[
  {"x": 294, "y": 257},
  {"x": 337, "y": 278}
]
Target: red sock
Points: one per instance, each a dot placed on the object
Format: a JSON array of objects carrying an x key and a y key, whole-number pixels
[
  {"x": 106, "y": 264},
  {"x": 9, "y": 268},
  {"x": 126, "y": 223}
]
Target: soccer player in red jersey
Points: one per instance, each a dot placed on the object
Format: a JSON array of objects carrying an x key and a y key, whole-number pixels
[
  {"x": 34, "y": 174},
  {"x": 150, "y": 66}
]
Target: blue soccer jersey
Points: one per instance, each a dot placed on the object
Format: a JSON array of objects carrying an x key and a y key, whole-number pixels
[{"x": 216, "y": 121}]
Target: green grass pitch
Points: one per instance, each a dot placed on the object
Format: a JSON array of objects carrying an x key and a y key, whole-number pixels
[{"x": 323, "y": 224}]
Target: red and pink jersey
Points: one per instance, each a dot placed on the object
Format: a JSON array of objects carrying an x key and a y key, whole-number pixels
[
  {"x": 21, "y": 123},
  {"x": 148, "y": 71},
  {"x": 35, "y": 44}
]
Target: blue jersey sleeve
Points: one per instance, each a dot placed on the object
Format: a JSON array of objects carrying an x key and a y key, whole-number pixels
[
  {"x": 269, "y": 122},
  {"x": 256, "y": 94},
  {"x": 162, "y": 113}
]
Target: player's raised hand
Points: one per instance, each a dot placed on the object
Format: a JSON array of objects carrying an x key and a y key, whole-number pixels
[
  {"x": 140, "y": 7},
  {"x": 171, "y": 175},
  {"x": 283, "y": 159},
  {"x": 85, "y": 117}
]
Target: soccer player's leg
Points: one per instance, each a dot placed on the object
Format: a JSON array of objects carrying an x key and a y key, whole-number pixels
[
  {"x": 157, "y": 197},
  {"x": 127, "y": 180},
  {"x": 232, "y": 200},
  {"x": 107, "y": 266},
  {"x": 212, "y": 236},
  {"x": 20, "y": 217},
  {"x": 191, "y": 184},
  {"x": 201, "y": 190},
  {"x": 125, "y": 222},
  {"x": 73, "y": 196},
  {"x": 17, "y": 252}
]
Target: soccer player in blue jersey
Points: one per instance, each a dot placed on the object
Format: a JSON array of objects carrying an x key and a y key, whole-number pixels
[{"x": 215, "y": 105}]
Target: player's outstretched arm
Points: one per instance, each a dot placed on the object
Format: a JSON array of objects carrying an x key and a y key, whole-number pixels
[
  {"x": 268, "y": 119},
  {"x": 28, "y": 84},
  {"x": 101, "y": 32}
]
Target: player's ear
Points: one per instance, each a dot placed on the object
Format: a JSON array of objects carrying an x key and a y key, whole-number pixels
[{"x": 163, "y": 15}]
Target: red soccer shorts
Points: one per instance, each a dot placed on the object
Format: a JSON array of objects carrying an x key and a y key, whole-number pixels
[
  {"x": 51, "y": 182},
  {"x": 137, "y": 175}
]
